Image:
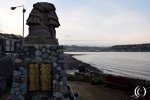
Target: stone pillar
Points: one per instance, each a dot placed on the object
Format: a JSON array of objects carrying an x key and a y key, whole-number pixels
[
  {"x": 39, "y": 74},
  {"x": 39, "y": 68}
]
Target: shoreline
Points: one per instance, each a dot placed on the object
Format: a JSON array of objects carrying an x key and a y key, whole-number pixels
[
  {"x": 105, "y": 86},
  {"x": 109, "y": 79},
  {"x": 89, "y": 91},
  {"x": 72, "y": 63}
]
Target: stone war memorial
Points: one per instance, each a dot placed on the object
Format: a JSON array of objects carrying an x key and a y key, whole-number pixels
[{"x": 39, "y": 68}]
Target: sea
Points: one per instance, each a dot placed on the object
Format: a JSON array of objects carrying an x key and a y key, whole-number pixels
[{"x": 129, "y": 64}]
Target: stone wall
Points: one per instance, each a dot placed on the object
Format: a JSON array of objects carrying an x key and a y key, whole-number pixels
[
  {"x": 2, "y": 84},
  {"x": 39, "y": 54}
]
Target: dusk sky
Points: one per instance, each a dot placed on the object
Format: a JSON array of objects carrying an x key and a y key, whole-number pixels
[{"x": 88, "y": 22}]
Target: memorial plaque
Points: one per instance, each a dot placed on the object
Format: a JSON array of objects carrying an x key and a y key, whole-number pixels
[{"x": 39, "y": 77}]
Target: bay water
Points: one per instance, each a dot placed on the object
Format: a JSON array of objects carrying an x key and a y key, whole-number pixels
[{"x": 129, "y": 64}]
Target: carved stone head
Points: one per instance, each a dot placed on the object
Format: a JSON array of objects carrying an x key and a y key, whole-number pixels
[{"x": 42, "y": 22}]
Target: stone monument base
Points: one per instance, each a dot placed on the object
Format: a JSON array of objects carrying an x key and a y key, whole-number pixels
[
  {"x": 39, "y": 74},
  {"x": 40, "y": 40}
]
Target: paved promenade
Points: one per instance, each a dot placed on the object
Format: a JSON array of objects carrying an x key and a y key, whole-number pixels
[{"x": 97, "y": 92}]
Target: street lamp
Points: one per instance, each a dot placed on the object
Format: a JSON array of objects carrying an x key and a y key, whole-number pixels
[{"x": 23, "y": 10}]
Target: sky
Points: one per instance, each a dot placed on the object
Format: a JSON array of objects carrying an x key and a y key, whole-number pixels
[{"x": 87, "y": 22}]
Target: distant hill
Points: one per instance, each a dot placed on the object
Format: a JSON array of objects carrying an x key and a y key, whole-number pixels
[
  {"x": 75, "y": 48},
  {"x": 116, "y": 48},
  {"x": 131, "y": 48}
]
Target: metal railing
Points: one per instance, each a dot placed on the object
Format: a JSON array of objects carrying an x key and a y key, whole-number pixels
[{"x": 72, "y": 95}]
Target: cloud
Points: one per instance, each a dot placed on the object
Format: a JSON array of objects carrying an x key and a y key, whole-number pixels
[
  {"x": 117, "y": 27},
  {"x": 95, "y": 23}
]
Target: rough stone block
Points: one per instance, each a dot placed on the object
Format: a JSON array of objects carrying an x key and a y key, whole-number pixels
[
  {"x": 24, "y": 72},
  {"x": 54, "y": 64},
  {"x": 57, "y": 94},
  {"x": 37, "y": 47},
  {"x": 45, "y": 55},
  {"x": 61, "y": 61},
  {"x": 61, "y": 56},
  {"x": 56, "y": 76},
  {"x": 55, "y": 82},
  {"x": 12, "y": 91},
  {"x": 21, "y": 68},
  {"x": 54, "y": 59},
  {"x": 16, "y": 73},
  {"x": 27, "y": 59},
  {"x": 60, "y": 47},
  {"x": 38, "y": 53},
  {"x": 38, "y": 59},
  {"x": 53, "y": 48},
  {"x": 18, "y": 61},
  {"x": 63, "y": 89},
  {"x": 61, "y": 83},
  {"x": 46, "y": 61},
  {"x": 53, "y": 53},
  {"x": 58, "y": 68},
  {"x": 50, "y": 57},
  {"x": 48, "y": 51},
  {"x": 44, "y": 50},
  {"x": 23, "y": 88},
  {"x": 16, "y": 89},
  {"x": 15, "y": 85}
]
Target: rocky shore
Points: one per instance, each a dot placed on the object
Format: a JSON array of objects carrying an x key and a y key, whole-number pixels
[
  {"x": 72, "y": 63},
  {"x": 122, "y": 87},
  {"x": 85, "y": 89}
]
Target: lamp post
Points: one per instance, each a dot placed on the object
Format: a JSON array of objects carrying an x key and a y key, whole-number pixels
[{"x": 23, "y": 10}]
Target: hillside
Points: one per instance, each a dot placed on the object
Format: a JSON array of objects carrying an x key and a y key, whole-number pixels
[
  {"x": 131, "y": 48},
  {"x": 116, "y": 48}
]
